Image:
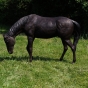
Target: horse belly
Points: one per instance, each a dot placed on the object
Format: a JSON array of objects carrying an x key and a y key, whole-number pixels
[{"x": 45, "y": 33}]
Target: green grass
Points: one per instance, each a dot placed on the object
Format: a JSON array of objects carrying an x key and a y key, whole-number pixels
[{"x": 46, "y": 71}]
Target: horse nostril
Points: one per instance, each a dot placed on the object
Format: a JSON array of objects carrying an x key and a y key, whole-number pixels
[{"x": 10, "y": 52}]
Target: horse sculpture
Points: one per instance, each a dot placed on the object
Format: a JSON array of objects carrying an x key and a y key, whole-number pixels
[{"x": 35, "y": 26}]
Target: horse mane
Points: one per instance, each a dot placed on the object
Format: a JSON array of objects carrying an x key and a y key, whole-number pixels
[{"x": 16, "y": 26}]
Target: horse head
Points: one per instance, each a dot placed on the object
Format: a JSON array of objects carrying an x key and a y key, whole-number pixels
[{"x": 9, "y": 41}]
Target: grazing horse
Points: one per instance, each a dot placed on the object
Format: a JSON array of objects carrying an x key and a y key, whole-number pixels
[{"x": 35, "y": 26}]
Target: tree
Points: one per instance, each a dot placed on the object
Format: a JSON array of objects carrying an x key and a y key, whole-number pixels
[{"x": 12, "y": 10}]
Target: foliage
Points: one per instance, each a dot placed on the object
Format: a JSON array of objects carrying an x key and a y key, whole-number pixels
[
  {"x": 12, "y": 10},
  {"x": 46, "y": 71},
  {"x": 18, "y": 8}
]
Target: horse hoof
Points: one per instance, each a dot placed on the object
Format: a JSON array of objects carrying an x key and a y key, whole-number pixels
[
  {"x": 30, "y": 60},
  {"x": 61, "y": 59},
  {"x": 73, "y": 62}
]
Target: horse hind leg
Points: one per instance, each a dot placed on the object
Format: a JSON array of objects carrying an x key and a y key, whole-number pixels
[
  {"x": 75, "y": 41},
  {"x": 72, "y": 46},
  {"x": 64, "y": 51}
]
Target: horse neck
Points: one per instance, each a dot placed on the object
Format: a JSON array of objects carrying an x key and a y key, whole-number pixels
[
  {"x": 17, "y": 28},
  {"x": 13, "y": 32}
]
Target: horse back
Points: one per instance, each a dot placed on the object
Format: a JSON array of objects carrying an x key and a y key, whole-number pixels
[
  {"x": 42, "y": 27},
  {"x": 47, "y": 27}
]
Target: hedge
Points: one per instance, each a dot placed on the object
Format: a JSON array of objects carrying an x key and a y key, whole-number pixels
[{"x": 12, "y": 10}]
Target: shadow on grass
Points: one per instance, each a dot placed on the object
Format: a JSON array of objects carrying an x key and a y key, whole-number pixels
[
  {"x": 13, "y": 58},
  {"x": 48, "y": 59},
  {"x": 34, "y": 59}
]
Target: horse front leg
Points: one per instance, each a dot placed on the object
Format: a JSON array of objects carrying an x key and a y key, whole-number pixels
[{"x": 29, "y": 48}]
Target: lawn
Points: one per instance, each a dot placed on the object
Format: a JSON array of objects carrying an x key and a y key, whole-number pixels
[{"x": 45, "y": 71}]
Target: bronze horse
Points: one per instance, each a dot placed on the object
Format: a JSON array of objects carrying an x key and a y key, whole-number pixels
[{"x": 35, "y": 26}]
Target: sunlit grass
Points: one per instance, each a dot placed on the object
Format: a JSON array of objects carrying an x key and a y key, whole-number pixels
[{"x": 45, "y": 71}]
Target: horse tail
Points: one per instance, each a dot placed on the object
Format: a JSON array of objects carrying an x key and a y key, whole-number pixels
[{"x": 76, "y": 32}]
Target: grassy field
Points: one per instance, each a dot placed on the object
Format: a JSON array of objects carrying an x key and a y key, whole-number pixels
[{"x": 46, "y": 71}]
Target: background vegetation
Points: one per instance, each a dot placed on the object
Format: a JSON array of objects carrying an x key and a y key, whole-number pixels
[{"x": 12, "y": 10}]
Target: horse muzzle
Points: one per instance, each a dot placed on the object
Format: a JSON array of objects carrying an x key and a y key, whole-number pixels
[{"x": 10, "y": 52}]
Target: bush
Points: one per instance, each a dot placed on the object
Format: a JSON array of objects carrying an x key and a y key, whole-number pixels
[{"x": 12, "y": 10}]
